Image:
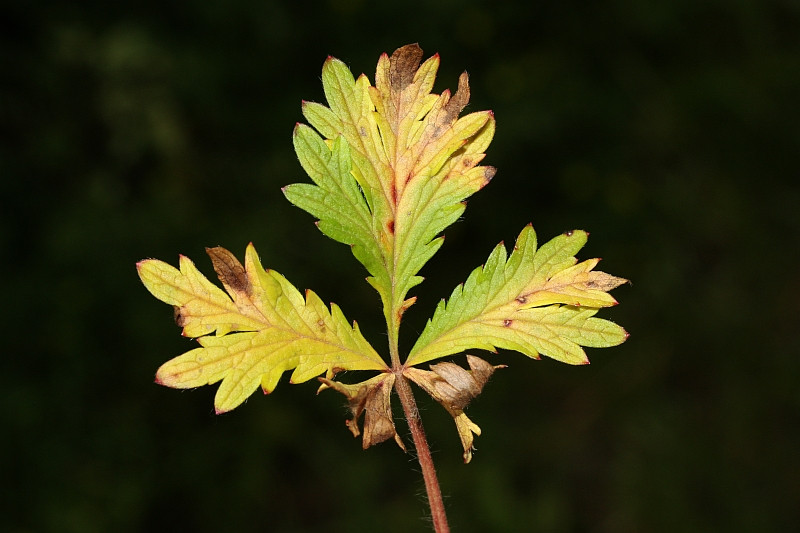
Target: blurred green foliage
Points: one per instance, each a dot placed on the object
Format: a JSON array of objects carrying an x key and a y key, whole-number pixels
[{"x": 148, "y": 129}]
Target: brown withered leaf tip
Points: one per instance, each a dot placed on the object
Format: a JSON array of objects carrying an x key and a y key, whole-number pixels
[
  {"x": 230, "y": 271},
  {"x": 489, "y": 173},
  {"x": 459, "y": 100},
  {"x": 403, "y": 65},
  {"x": 605, "y": 282},
  {"x": 180, "y": 320}
]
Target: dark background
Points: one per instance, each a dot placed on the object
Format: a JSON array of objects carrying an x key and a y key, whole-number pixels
[{"x": 667, "y": 129}]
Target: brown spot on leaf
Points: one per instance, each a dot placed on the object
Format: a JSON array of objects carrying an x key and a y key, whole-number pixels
[
  {"x": 403, "y": 65},
  {"x": 568, "y": 233},
  {"x": 522, "y": 299},
  {"x": 390, "y": 226},
  {"x": 229, "y": 270},
  {"x": 507, "y": 323}
]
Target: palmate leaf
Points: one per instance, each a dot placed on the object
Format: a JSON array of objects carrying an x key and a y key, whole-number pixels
[
  {"x": 535, "y": 302},
  {"x": 414, "y": 162},
  {"x": 391, "y": 167},
  {"x": 261, "y": 328}
]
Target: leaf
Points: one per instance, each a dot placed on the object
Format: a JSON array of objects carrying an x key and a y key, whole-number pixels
[
  {"x": 372, "y": 397},
  {"x": 261, "y": 328},
  {"x": 413, "y": 159},
  {"x": 454, "y": 387},
  {"x": 336, "y": 198},
  {"x": 535, "y": 302},
  {"x": 391, "y": 167}
]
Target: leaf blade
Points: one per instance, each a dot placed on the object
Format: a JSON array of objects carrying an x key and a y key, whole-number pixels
[
  {"x": 266, "y": 328},
  {"x": 537, "y": 302},
  {"x": 415, "y": 160}
]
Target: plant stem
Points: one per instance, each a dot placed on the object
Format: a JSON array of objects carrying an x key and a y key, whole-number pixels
[
  {"x": 435, "y": 501},
  {"x": 401, "y": 385}
]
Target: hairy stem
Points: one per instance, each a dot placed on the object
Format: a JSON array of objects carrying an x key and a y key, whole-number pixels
[
  {"x": 401, "y": 385},
  {"x": 435, "y": 501}
]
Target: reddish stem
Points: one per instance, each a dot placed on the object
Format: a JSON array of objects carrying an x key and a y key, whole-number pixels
[{"x": 435, "y": 501}]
